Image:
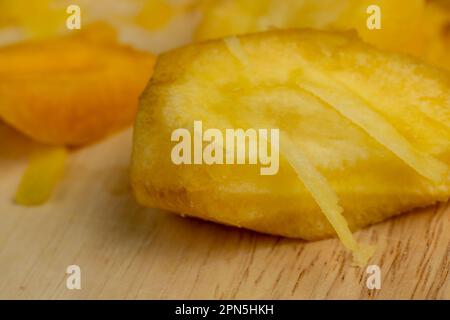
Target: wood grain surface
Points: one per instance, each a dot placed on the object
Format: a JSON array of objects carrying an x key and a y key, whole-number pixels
[{"x": 129, "y": 252}]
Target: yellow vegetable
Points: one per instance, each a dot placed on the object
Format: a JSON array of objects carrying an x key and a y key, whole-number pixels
[
  {"x": 44, "y": 171},
  {"x": 364, "y": 134},
  {"x": 72, "y": 90}
]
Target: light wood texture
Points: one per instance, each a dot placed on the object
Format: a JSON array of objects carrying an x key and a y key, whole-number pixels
[{"x": 129, "y": 252}]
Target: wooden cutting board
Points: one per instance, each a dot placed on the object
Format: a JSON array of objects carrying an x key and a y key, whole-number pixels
[{"x": 126, "y": 251}]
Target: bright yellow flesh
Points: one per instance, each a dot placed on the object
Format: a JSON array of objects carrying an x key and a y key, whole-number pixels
[
  {"x": 43, "y": 173},
  {"x": 71, "y": 90},
  {"x": 365, "y": 135},
  {"x": 314, "y": 181}
]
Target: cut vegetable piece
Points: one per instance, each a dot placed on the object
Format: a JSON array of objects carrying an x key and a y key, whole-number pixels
[
  {"x": 44, "y": 171},
  {"x": 71, "y": 90},
  {"x": 334, "y": 175},
  {"x": 325, "y": 197}
]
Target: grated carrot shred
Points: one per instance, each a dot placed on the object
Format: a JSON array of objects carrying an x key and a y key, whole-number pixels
[
  {"x": 44, "y": 170},
  {"x": 313, "y": 180}
]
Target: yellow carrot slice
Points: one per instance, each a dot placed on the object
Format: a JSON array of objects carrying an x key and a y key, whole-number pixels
[{"x": 41, "y": 176}]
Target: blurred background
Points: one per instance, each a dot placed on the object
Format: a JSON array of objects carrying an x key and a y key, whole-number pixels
[
  {"x": 418, "y": 27},
  {"x": 138, "y": 22}
]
